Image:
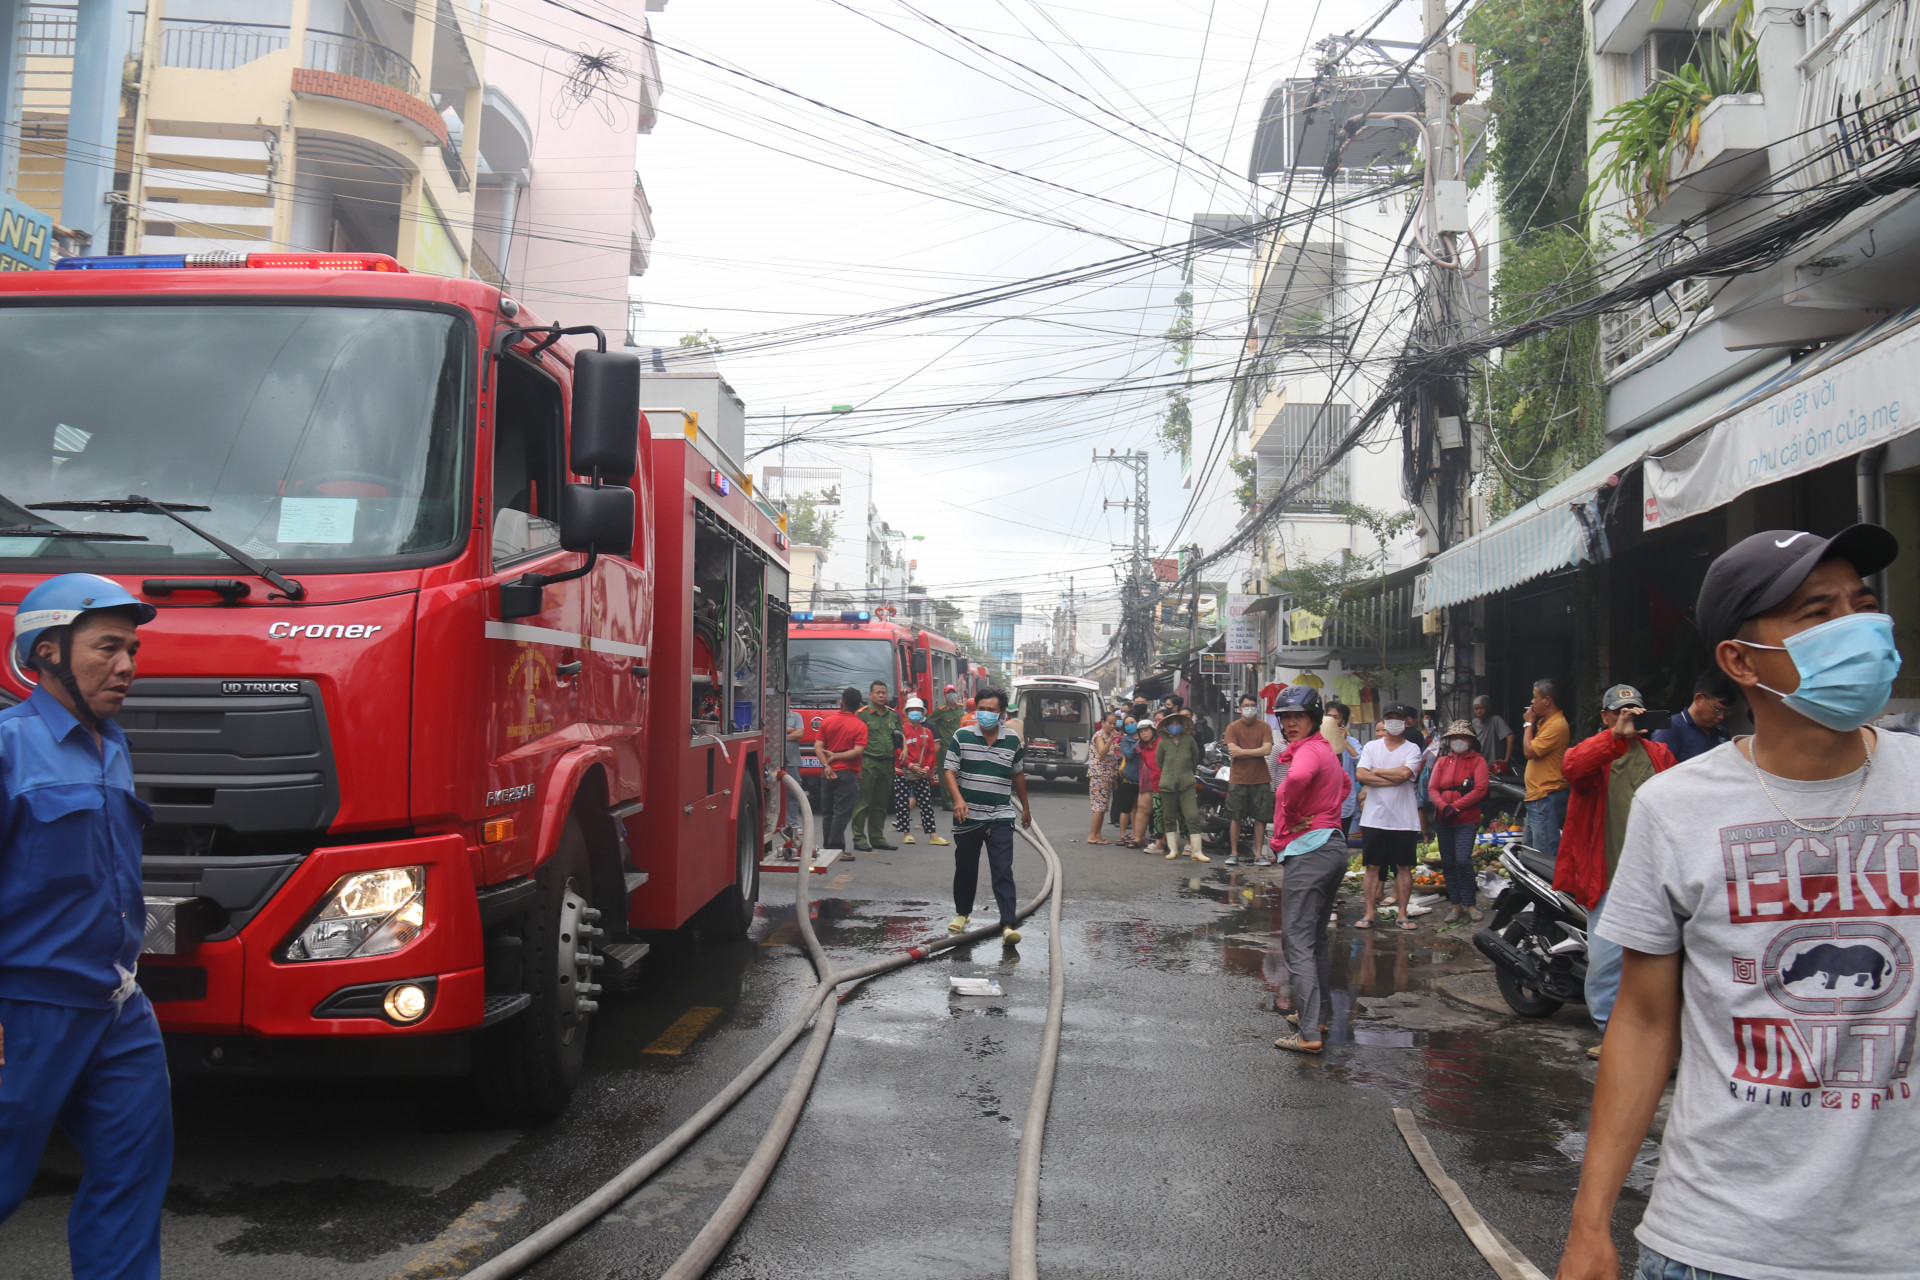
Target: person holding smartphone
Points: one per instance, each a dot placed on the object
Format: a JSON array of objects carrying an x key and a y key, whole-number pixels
[{"x": 1602, "y": 775}]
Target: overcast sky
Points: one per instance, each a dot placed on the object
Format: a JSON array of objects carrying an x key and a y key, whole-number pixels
[{"x": 774, "y": 213}]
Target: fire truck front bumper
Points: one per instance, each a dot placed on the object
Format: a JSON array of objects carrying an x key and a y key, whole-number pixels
[{"x": 366, "y": 961}]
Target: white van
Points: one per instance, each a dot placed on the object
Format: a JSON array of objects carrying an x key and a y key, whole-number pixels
[{"x": 1057, "y": 716}]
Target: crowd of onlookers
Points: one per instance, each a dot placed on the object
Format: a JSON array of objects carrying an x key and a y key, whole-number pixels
[{"x": 1411, "y": 780}]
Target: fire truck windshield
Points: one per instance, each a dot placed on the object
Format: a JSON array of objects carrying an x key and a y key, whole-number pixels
[
  {"x": 819, "y": 667},
  {"x": 306, "y": 433}
]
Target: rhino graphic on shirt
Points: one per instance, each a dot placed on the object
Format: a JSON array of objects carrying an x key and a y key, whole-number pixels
[{"x": 1860, "y": 963}]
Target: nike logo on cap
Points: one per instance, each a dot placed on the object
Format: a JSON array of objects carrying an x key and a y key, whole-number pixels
[{"x": 1790, "y": 541}]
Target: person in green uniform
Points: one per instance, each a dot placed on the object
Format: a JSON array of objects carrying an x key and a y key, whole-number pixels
[
  {"x": 1178, "y": 752},
  {"x": 876, "y": 771},
  {"x": 945, "y": 721}
]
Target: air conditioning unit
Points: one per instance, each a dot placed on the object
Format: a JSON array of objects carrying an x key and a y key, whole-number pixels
[{"x": 1665, "y": 51}]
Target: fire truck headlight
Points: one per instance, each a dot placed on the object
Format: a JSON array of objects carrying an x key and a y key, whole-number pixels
[{"x": 369, "y": 913}]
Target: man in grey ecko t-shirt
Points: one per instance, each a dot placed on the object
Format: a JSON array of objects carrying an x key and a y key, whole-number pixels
[{"x": 1768, "y": 901}]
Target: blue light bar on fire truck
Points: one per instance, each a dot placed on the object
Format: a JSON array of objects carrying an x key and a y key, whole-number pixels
[
  {"x": 257, "y": 261},
  {"x": 856, "y": 615},
  {"x": 802, "y": 615}
]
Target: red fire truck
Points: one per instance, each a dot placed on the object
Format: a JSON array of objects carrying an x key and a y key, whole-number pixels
[
  {"x": 850, "y": 650},
  {"x": 462, "y": 677}
]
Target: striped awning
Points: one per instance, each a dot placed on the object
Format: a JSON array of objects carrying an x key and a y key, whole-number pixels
[{"x": 1560, "y": 527}]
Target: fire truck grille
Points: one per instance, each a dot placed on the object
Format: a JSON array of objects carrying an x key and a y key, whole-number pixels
[{"x": 237, "y": 756}]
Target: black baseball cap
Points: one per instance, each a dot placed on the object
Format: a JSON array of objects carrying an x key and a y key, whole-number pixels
[{"x": 1757, "y": 573}]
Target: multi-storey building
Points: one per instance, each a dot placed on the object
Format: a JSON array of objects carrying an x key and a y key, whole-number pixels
[{"x": 194, "y": 126}]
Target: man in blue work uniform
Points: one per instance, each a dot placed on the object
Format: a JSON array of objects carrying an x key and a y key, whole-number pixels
[{"x": 79, "y": 1045}]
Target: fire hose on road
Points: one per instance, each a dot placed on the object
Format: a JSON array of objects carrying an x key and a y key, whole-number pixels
[{"x": 820, "y": 1009}]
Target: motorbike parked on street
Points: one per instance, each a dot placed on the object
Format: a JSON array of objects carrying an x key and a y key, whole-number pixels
[
  {"x": 1537, "y": 939},
  {"x": 1210, "y": 791}
]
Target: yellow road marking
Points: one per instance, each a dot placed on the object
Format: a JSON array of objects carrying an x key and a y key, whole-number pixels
[
  {"x": 783, "y": 933},
  {"x": 841, "y": 881},
  {"x": 458, "y": 1247},
  {"x": 685, "y": 1030}
]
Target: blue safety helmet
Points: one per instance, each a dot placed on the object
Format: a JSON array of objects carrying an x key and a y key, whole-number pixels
[
  {"x": 59, "y": 602},
  {"x": 1300, "y": 698}
]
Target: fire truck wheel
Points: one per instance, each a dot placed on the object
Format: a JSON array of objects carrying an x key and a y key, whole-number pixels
[
  {"x": 529, "y": 1064},
  {"x": 731, "y": 914}
]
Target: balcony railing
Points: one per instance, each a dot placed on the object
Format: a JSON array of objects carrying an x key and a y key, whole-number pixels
[
  {"x": 217, "y": 46},
  {"x": 351, "y": 56},
  {"x": 1860, "y": 90},
  {"x": 1629, "y": 339},
  {"x": 48, "y": 33}
]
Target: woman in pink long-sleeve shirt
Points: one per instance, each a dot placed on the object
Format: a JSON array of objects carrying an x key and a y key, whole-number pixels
[
  {"x": 1312, "y": 790},
  {"x": 1313, "y": 855}
]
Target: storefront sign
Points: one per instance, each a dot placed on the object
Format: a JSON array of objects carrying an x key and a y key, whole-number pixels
[
  {"x": 1852, "y": 404},
  {"x": 26, "y": 237},
  {"x": 1243, "y": 629}
]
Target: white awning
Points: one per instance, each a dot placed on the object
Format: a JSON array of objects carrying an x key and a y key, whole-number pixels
[
  {"x": 1554, "y": 530},
  {"x": 1843, "y": 401}
]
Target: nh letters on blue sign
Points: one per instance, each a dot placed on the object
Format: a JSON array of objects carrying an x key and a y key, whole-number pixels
[{"x": 26, "y": 237}]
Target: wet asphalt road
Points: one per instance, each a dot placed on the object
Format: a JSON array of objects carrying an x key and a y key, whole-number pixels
[{"x": 1180, "y": 1142}]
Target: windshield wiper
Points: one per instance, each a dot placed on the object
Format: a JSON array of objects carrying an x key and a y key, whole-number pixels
[
  {"x": 56, "y": 531},
  {"x": 134, "y": 504}
]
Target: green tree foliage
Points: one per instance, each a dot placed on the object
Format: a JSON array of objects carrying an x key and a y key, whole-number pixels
[
  {"x": 701, "y": 338},
  {"x": 1176, "y": 425},
  {"x": 1246, "y": 466},
  {"x": 1533, "y": 53},
  {"x": 809, "y": 522},
  {"x": 1545, "y": 400}
]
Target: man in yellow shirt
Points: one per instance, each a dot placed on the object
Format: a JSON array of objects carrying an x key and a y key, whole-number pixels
[{"x": 1544, "y": 742}]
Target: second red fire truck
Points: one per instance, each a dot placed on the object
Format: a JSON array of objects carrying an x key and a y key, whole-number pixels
[{"x": 827, "y": 653}]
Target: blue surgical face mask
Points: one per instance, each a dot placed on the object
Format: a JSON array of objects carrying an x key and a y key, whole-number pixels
[
  {"x": 916, "y": 716},
  {"x": 986, "y": 719},
  {"x": 1176, "y": 729},
  {"x": 1846, "y": 669}
]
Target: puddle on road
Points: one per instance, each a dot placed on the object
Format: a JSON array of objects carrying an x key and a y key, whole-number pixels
[{"x": 1513, "y": 1092}]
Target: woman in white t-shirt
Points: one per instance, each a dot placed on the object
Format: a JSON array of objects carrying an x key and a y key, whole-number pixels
[{"x": 1390, "y": 820}]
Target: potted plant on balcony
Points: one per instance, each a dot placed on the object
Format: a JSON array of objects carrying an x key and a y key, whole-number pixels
[{"x": 1647, "y": 133}]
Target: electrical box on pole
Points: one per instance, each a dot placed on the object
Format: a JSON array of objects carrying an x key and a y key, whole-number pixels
[
  {"x": 1450, "y": 207},
  {"x": 1464, "y": 73}
]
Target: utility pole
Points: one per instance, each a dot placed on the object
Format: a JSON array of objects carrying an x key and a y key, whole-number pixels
[
  {"x": 1193, "y": 606},
  {"x": 1443, "y": 428},
  {"x": 1136, "y": 600},
  {"x": 1073, "y": 626}
]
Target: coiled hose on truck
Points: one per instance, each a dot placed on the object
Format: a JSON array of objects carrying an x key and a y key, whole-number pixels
[{"x": 1023, "y": 1248}]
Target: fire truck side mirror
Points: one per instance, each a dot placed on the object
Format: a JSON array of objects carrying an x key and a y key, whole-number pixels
[
  {"x": 919, "y": 662},
  {"x": 606, "y": 417},
  {"x": 597, "y": 519}
]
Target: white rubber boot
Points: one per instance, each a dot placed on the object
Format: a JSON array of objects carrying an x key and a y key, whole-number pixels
[{"x": 1194, "y": 851}]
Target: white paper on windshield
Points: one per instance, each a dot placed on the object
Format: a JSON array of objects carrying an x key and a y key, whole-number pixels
[{"x": 316, "y": 519}]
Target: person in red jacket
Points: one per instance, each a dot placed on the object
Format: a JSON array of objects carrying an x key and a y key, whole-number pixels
[
  {"x": 1456, "y": 785},
  {"x": 1602, "y": 774}
]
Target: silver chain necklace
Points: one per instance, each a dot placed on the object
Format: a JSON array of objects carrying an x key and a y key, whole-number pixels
[{"x": 1866, "y": 772}]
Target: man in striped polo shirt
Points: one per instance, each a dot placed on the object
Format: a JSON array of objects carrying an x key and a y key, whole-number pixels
[{"x": 984, "y": 767}]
